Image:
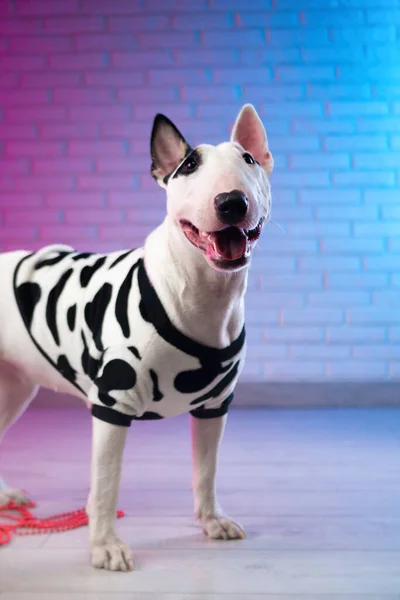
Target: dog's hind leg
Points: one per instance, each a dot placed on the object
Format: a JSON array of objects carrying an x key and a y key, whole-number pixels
[{"x": 16, "y": 392}]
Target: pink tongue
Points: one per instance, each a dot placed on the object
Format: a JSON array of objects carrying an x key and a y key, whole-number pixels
[{"x": 230, "y": 243}]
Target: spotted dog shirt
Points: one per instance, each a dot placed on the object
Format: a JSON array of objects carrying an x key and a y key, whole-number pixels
[{"x": 98, "y": 320}]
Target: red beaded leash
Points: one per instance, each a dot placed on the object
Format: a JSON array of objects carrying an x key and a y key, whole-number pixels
[{"x": 25, "y": 523}]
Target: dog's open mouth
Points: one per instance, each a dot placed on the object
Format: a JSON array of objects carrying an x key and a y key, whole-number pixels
[{"x": 228, "y": 248}]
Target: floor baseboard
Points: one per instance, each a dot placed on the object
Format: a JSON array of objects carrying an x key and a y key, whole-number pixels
[{"x": 305, "y": 394}]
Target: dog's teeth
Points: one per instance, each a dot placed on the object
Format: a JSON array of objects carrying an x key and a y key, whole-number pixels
[{"x": 214, "y": 245}]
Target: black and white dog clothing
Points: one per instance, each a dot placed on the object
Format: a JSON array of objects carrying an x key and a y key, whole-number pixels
[{"x": 98, "y": 320}]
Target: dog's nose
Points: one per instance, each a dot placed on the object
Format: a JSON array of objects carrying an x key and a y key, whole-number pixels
[{"x": 231, "y": 207}]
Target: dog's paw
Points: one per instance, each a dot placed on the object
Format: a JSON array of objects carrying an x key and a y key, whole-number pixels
[
  {"x": 16, "y": 496},
  {"x": 112, "y": 556},
  {"x": 222, "y": 528}
]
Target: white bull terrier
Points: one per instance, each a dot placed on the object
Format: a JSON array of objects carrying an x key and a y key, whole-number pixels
[{"x": 146, "y": 333}]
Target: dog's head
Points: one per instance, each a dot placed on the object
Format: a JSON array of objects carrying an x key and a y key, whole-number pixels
[{"x": 218, "y": 196}]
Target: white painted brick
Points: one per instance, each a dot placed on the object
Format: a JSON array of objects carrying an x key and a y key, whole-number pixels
[
  {"x": 349, "y": 334},
  {"x": 80, "y": 82},
  {"x": 364, "y": 280},
  {"x": 294, "y": 334},
  {"x": 289, "y": 370},
  {"x": 318, "y": 352},
  {"x": 357, "y": 370},
  {"x": 338, "y": 298}
]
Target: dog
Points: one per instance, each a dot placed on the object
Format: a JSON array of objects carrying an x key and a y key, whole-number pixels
[{"x": 147, "y": 333}]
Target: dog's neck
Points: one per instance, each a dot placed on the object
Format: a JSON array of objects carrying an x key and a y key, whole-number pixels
[{"x": 204, "y": 304}]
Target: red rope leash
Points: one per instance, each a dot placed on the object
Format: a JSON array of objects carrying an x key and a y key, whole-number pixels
[{"x": 26, "y": 523}]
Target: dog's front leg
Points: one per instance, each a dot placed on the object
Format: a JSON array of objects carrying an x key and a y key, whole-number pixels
[
  {"x": 206, "y": 438},
  {"x": 108, "y": 552}
]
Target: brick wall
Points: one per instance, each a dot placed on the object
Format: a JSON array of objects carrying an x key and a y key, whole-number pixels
[{"x": 80, "y": 81}]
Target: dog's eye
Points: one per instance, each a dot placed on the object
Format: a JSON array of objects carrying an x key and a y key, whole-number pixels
[
  {"x": 248, "y": 158},
  {"x": 189, "y": 165}
]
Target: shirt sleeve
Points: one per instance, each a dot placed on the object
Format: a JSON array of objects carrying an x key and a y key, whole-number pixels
[
  {"x": 211, "y": 413},
  {"x": 110, "y": 415}
]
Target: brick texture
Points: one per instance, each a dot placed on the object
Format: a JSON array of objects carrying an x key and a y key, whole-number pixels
[{"x": 80, "y": 81}]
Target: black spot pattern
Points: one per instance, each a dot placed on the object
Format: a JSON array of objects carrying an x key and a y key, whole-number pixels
[
  {"x": 106, "y": 399},
  {"x": 120, "y": 258},
  {"x": 117, "y": 375},
  {"x": 212, "y": 413},
  {"x": 28, "y": 295},
  {"x": 88, "y": 271},
  {"x": 219, "y": 388},
  {"x": 152, "y": 310},
  {"x": 90, "y": 365},
  {"x": 109, "y": 415},
  {"x": 48, "y": 262},
  {"x": 71, "y": 317},
  {"x": 188, "y": 382},
  {"x": 95, "y": 311},
  {"x": 19, "y": 300},
  {"x": 51, "y": 307},
  {"x": 135, "y": 352},
  {"x": 144, "y": 312},
  {"x": 82, "y": 256},
  {"x": 121, "y": 304},
  {"x": 211, "y": 359},
  {"x": 65, "y": 368},
  {"x": 157, "y": 394},
  {"x": 148, "y": 416}
]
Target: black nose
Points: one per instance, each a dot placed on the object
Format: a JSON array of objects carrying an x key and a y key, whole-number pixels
[{"x": 231, "y": 207}]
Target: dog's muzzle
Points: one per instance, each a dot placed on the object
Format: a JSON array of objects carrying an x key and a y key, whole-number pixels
[
  {"x": 227, "y": 248},
  {"x": 231, "y": 207}
]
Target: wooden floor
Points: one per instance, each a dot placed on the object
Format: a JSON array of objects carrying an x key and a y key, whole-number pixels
[{"x": 318, "y": 493}]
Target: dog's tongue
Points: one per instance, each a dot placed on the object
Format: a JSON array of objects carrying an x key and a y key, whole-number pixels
[{"x": 230, "y": 243}]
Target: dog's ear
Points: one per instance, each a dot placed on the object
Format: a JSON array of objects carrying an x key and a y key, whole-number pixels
[
  {"x": 168, "y": 148},
  {"x": 249, "y": 132}
]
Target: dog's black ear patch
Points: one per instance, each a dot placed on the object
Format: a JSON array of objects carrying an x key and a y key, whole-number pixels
[
  {"x": 168, "y": 148},
  {"x": 191, "y": 163}
]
